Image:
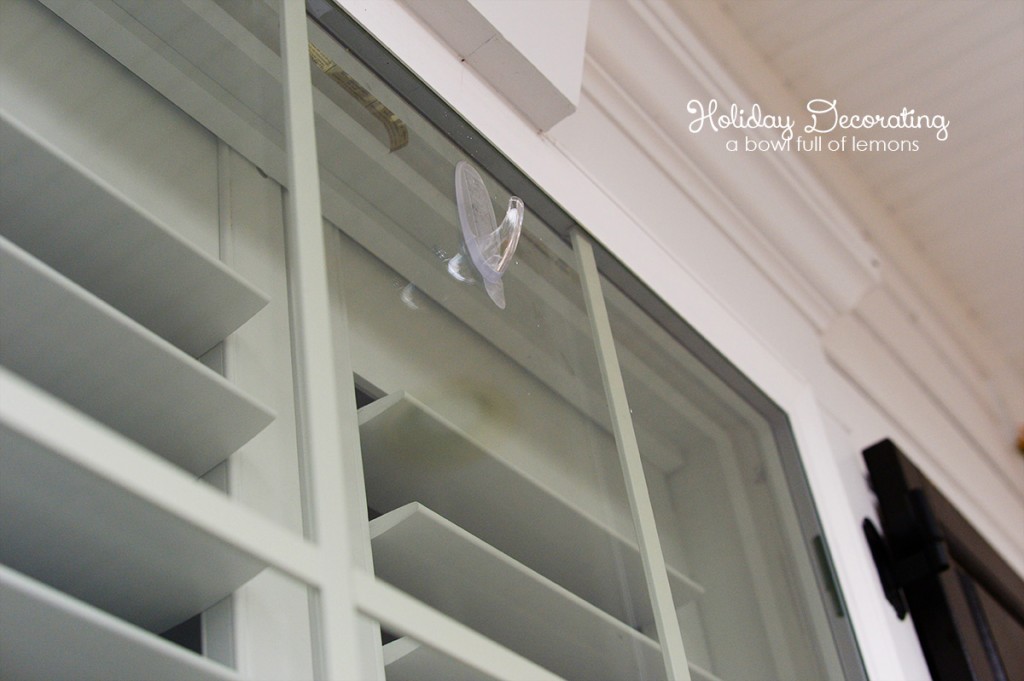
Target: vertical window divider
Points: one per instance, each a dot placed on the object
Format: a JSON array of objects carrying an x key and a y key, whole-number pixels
[
  {"x": 655, "y": 572},
  {"x": 339, "y": 653}
]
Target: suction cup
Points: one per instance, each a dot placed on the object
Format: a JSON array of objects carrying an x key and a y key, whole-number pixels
[{"x": 488, "y": 245}]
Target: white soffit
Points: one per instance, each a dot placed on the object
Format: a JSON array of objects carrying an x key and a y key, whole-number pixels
[
  {"x": 531, "y": 51},
  {"x": 961, "y": 201}
]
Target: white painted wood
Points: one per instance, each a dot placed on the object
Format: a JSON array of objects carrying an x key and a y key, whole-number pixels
[
  {"x": 530, "y": 52},
  {"x": 400, "y": 612},
  {"x": 74, "y": 345},
  {"x": 271, "y": 613},
  {"x": 803, "y": 236},
  {"x": 98, "y": 114},
  {"x": 407, "y": 660},
  {"x": 959, "y": 59},
  {"x": 911, "y": 346},
  {"x": 64, "y": 214},
  {"x": 449, "y": 569},
  {"x": 651, "y": 555},
  {"x": 859, "y": 352},
  {"x": 31, "y": 415},
  {"x": 85, "y": 535},
  {"x": 410, "y": 453},
  {"x": 173, "y": 76},
  {"x": 551, "y": 35},
  {"x": 45, "y": 634},
  {"x": 344, "y": 647},
  {"x": 946, "y": 344},
  {"x": 898, "y": 651},
  {"x": 909, "y": 238}
]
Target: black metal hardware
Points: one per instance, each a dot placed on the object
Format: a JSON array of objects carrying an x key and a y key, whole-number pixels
[
  {"x": 912, "y": 547},
  {"x": 965, "y": 601},
  {"x": 883, "y": 563}
]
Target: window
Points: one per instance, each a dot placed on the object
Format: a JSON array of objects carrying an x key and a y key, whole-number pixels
[{"x": 481, "y": 456}]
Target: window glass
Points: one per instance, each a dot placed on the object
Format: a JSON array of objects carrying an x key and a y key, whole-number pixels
[
  {"x": 491, "y": 473},
  {"x": 713, "y": 449},
  {"x": 521, "y": 379}
]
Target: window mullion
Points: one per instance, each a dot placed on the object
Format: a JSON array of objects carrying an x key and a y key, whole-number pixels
[
  {"x": 655, "y": 572},
  {"x": 341, "y": 654}
]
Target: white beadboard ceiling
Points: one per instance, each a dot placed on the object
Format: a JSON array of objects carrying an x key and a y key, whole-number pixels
[{"x": 961, "y": 201}]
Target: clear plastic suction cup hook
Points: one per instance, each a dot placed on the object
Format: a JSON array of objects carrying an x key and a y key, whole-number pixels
[
  {"x": 487, "y": 247},
  {"x": 461, "y": 267}
]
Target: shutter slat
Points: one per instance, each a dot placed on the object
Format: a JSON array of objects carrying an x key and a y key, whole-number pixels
[
  {"x": 63, "y": 214},
  {"x": 45, "y": 634},
  {"x": 411, "y": 453},
  {"x": 72, "y": 344}
]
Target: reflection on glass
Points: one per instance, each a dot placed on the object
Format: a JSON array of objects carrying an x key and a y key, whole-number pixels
[
  {"x": 724, "y": 511},
  {"x": 491, "y": 472}
]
